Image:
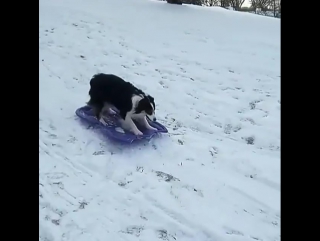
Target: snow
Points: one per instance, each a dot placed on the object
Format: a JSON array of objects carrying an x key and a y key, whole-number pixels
[{"x": 215, "y": 76}]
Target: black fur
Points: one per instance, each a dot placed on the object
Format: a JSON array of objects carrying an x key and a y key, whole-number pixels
[
  {"x": 116, "y": 91},
  {"x": 144, "y": 105}
]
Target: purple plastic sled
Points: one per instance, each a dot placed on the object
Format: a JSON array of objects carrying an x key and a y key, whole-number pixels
[{"x": 112, "y": 123}]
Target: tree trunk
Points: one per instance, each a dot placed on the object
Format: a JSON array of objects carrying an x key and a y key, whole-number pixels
[{"x": 174, "y": 2}]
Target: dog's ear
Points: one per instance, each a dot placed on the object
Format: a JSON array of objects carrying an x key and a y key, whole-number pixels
[
  {"x": 151, "y": 99},
  {"x": 144, "y": 102},
  {"x": 144, "y": 105}
]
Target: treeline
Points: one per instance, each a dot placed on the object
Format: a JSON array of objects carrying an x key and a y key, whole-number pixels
[{"x": 265, "y": 7}]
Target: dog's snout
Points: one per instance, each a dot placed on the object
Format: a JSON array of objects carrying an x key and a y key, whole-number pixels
[{"x": 154, "y": 119}]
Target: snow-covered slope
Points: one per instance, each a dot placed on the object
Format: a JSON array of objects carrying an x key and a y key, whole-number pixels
[{"x": 215, "y": 75}]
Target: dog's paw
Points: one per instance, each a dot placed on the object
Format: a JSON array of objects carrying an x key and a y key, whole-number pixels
[
  {"x": 112, "y": 112},
  {"x": 152, "y": 128},
  {"x": 138, "y": 133}
]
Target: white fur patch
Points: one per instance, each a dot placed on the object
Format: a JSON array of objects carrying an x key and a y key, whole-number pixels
[
  {"x": 135, "y": 100},
  {"x": 119, "y": 129},
  {"x": 128, "y": 123}
]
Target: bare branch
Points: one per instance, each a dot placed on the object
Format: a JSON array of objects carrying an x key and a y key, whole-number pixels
[{"x": 236, "y": 4}]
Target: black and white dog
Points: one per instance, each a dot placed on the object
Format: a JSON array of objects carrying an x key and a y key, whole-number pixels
[{"x": 108, "y": 90}]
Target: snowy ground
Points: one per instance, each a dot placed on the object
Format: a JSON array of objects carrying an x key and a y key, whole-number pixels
[{"x": 215, "y": 75}]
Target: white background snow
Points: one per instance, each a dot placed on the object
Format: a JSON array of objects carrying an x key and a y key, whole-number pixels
[{"x": 215, "y": 76}]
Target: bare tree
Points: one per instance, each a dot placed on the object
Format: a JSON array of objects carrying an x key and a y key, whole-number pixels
[
  {"x": 279, "y": 6},
  {"x": 236, "y": 4},
  {"x": 224, "y": 3},
  {"x": 174, "y": 1},
  {"x": 221, "y": 3},
  {"x": 276, "y": 7},
  {"x": 253, "y": 4},
  {"x": 262, "y": 4},
  {"x": 212, "y": 3},
  {"x": 196, "y": 2}
]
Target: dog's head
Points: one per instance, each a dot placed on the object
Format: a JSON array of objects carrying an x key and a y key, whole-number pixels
[{"x": 147, "y": 106}]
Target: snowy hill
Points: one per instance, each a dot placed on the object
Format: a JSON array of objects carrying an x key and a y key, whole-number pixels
[{"x": 215, "y": 76}]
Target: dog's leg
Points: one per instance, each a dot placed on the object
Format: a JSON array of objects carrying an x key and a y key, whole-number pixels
[
  {"x": 143, "y": 122},
  {"x": 129, "y": 125},
  {"x": 107, "y": 107},
  {"x": 147, "y": 125},
  {"x": 97, "y": 111}
]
